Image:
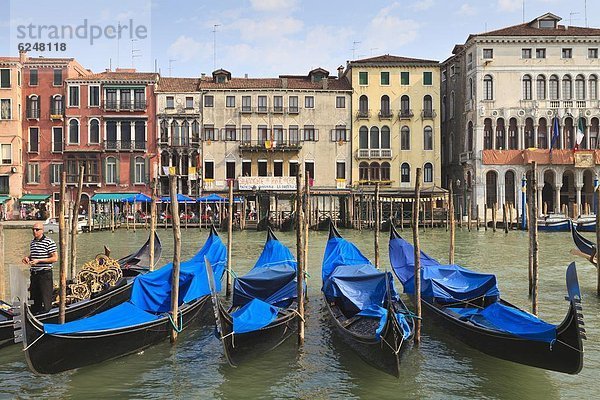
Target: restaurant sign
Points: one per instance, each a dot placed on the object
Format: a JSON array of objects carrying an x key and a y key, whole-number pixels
[{"x": 267, "y": 183}]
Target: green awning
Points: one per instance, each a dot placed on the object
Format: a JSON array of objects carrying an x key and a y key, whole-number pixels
[
  {"x": 124, "y": 86},
  {"x": 3, "y": 198},
  {"x": 34, "y": 198},
  {"x": 104, "y": 197}
]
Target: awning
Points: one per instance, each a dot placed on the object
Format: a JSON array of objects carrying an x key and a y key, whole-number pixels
[
  {"x": 3, "y": 198},
  {"x": 138, "y": 198},
  {"x": 181, "y": 198},
  {"x": 105, "y": 197},
  {"x": 34, "y": 198},
  {"x": 215, "y": 198}
]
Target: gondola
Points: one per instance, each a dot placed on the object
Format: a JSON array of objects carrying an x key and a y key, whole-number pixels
[
  {"x": 554, "y": 223},
  {"x": 131, "y": 266},
  {"x": 367, "y": 313},
  {"x": 264, "y": 306},
  {"x": 264, "y": 224},
  {"x": 129, "y": 327},
  {"x": 585, "y": 247},
  {"x": 467, "y": 304},
  {"x": 289, "y": 223},
  {"x": 586, "y": 223}
]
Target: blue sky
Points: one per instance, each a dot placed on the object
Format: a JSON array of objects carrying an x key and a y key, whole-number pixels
[{"x": 266, "y": 38}]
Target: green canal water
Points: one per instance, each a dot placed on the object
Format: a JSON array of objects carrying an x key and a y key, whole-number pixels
[{"x": 441, "y": 368}]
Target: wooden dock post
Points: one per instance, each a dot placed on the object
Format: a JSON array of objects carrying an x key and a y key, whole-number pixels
[
  {"x": 75, "y": 223},
  {"x": 504, "y": 218},
  {"x": 64, "y": 258},
  {"x": 460, "y": 214},
  {"x": 89, "y": 215},
  {"x": 401, "y": 217},
  {"x": 306, "y": 216},
  {"x": 598, "y": 240},
  {"x": 2, "y": 266},
  {"x": 451, "y": 212},
  {"x": 176, "y": 258},
  {"x": 133, "y": 213},
  {"x": 477, "y": 219},
  {"x": 300, "y": 257},
  {"x": 469, "y": 217},
  {"x": 534, "y": 240},
  {"x": 377, "y": 226},
  {"x": 485, "y": 224},
  {"x": 229, "y": 240},
  {"x": 494, "y": 216},
  {"x": 417, "y": 256},
  {"x": 152, "y": 223},
  {"x": 431, "y": 203},
  {"x": 510, "y": 215}
]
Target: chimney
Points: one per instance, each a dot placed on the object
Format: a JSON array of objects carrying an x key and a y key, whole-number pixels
[
  {"x": 22, "y": 56},
  {"x": 284, "y": 83},
  {"x": 325, "y": 82},
  {"x": 340, "y": 70},
  {"x": 202, "y": 75},
  {"x": 246, "y": 76}
]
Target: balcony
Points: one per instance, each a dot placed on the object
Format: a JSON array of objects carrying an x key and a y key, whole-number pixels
[
  {"x": 266, "y": 145},
  {"x": 268, "y": 110},
  {"x": 374, "y": 153},
  {"x": 124, "y": 145},
  {"x": 111, "y": 105},
  {"x": 278, "y": 110},
  {"x": 385, "y": 114},
  {"x": 56, "y": 114},
  {"x": 580, "y": 104},
  {"x": 363, "y": 114},
  {"x": 464, "y": 157},
  {"x": 428, "y": 114},
  {"x": 406, "y": 114},
  {"x": 554, "y": 104}
]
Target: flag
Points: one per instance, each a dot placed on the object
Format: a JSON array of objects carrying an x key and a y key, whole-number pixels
[
  {"x": 580, "y": 135},
  {"x": 555, "y": 133}
]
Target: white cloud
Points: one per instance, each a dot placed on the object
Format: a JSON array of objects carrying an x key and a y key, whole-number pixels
[
  {"x": 185, "y": 48},
  {"x": 510, "y": 5},
  {"x": 422, "y": 5},
  {"x": 273, "y": 5},
  {"x": 266, "y": 28},
  {"x": 467, "y": 10},
  {"x": 388, "y": 28}
]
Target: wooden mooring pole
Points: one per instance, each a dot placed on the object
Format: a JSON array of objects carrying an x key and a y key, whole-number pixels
[
  {"x": 377, "y": 226},
  {"x": 307, "y": 222},
  {"x": 74, "y": 225},
  {"x": 485, "y": 208},
  {"x": 229, "y": 240},
  {"x": 534, "y": 240},
  {"x": 152, "y": 223},
  {"x": 469, "y": 217},
  {"x": 300, "y": 257},
  {"x": 477, "y": 219},
  {"x": 494, "y": 216},
  {"x": 176, "y": 258},
  {"x": 504, "y": 218},
  {"x": 62, "y": 235},
  {"x": 417, "y": 256},
  {"x": 598, "y": 240},
  {"x": 2, "y": 266},
  {"x": 451, "y": 212}
]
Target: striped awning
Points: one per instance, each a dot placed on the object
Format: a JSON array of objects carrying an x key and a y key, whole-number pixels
[
  {"x": 34, "y": 198},
  {"x": 106, "y": 197}
]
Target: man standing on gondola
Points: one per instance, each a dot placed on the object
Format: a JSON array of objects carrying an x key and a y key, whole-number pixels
[{"x": 42, "y": 253}]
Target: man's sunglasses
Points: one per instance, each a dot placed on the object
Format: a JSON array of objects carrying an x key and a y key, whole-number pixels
[{"x": 36, "y": 229}]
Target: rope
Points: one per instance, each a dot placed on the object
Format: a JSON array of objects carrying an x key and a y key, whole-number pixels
[
  {"x": 569, "y": 346},
  {"x": 34, "y": 342},
  {"x": 231, "y": 272},
  {"x": 468, "y": 302},
  {"x": 301, "y": 317},
  {"x": 178, "y": 330}
]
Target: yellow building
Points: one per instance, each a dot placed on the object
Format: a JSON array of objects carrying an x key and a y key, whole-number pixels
[{"x": 395, "y": 121}]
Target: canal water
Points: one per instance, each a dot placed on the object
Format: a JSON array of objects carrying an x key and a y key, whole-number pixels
[{"x": 441, "y": 368}]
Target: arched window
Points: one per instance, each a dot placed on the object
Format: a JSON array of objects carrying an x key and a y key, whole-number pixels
[
  {"x": 428, "y": 173},
  {"x": 405, "y": 138},
  {"x": 444, "y": 108},
  {"x": 195, "y": 131},
  {"x": 164, "y": 131},
  {"x": 594, "y": 130},
  {"x": 428, "y": 106},
  {"x": 175, "y": 134},
  {"x": 385, "y": 138},
  {"x": 567, "y": 87},
  {"x": 553, "y": 83},
  {"x": 513, "y": 132},
  {"x": 470, "y": 136},
  {"x": 509, "y": 187},
  {"x": 405, "y": 173},
  {"x": 185, "y": 133},
  {"x": 491, "y": 179},
  {"x": 428, "y": 138},
  {"x": 385, "y": 106},
  {"x": 164, "y": 159},
  {"x": 580, "y": 87},
  {"x": 541, "y": 87},
  {"x": 111, "y": 171},
  {"x": 139, "y": 135},
  {"x": 500, "y": 134},
  {"x": 140, "y": 170},
  {"x": 363, "y": 171},
  {"x": 363, "y": 138},
  {"x": 451, "y": 105},
  {"x": 56, "y": 105},
  {"x": 527, "y": 89},
  {"x": 488, "y": 87},
  {"x": 405, "y": 106},
  {"x": 529, "y": 133},
  {"x": 33, "y": 106},
  {"x": 94, "y": 131},
  {"x": 569, "y": 133},
  {"x": 74, "y": 131},
  {"x": 374, "y": 138},
  {"x": 385, "y": 171},
  {"x": 487, "y": 134},
  {"x": 363, "y": 105},
  {"x": 593, "y": 87},
  {"x": 542, "y": 134},
  {"x": 583, "y": 144},
  {"x": 374, "y": 171},
  {"x": 471, "y": 89}
]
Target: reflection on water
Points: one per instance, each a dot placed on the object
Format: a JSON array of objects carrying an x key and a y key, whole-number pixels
[{"x": 325, "y": 368}]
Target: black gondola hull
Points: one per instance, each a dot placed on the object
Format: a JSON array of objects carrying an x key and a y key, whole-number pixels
[{"x": 51, "y": 354}]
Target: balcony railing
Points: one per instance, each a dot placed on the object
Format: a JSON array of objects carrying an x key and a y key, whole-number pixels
[
  {"x": 580, "y": 104},
  {"x": 428, "y": 114},
  {"x": 554, "y": 104},
  {"x": 466, "y": 156},
  {"x": 363, "y": 114},
  {"x": 406, "y": 114},
  {"x": 124, "y": 145},
  {"x": 385, "y": 114},
  {"x": 374, "y": 153},
  {"x": 267, "y": 110},
  {"x": 137, "y": 105},
  {"x": 267, "y": 145}
]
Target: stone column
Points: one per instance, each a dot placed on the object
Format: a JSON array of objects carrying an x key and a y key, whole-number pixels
[
  {"x": 578, "y": 188},
  {"x": 189, "y": 181},
  {"x": 520, "y": 135},
  {"x": 539, "y": 198},
  {"x": 557, "y": 197},
  {"x": 493, "y": 135},
  {"x": 535, "y": 139}
]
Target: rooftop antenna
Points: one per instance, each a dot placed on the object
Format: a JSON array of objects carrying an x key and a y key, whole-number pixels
[
  {"x": 118, "y": 40},
  {"x": 354, "y": 49},
  {"x": 155, "y": 65},
  {"x": 585, "y": 12},
  {"x": 134, "y": 53},
  {"x": 523, "y": 11},
  {"x": 215, "y": 46},
  {"x": 373, "y": 48},
  {"x": 571, "y": 18},
  {"x": 171, "y": 61}
]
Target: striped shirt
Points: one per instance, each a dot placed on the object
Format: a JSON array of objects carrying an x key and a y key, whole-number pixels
[{"x": 39, "y": 249}]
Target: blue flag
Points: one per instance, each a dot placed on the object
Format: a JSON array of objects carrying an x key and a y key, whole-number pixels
[{"x": 555, "y": 133}]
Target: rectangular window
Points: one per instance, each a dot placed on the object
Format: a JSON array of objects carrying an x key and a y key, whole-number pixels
[
  {"x": 209, "y": 132},
  {"x": 277, "y": 168},
  {"x": 525, "y": 53},
  {"x": 405, "y": 78},
  {"x": 262, "y": 167},
  {"x": 340, "y": 170},
  {"x": 209, "y": 101},
  {"x": 246, "y": 168},
  {"x": 310, "y": 133},
  {"x": 58, "y": 79},
  {"x": 57, "y": 139},
  {"x": 55, "y": 173},
  {"x": 567, "y": 53},
  {"x": 34, "y": 140},
  {"x": 33, "y": 77},
  {"x": 593, "y": 53},
  {"x": 189, "y": 103},
  {"x": 246, "y": 133},
  {"x": 4, "y": 185},
  {"x": 229, "y": 101},
  {"x": 309, "y": 169},
  {"x": 170, "y": 102},
  {"x": 230, "y": 133},
  {"x": 73, "y": 96},
  {"x": 33, "y": 173},
  {"x": 363, "y": 78},
  {"x": 230, "y": 170},
  {"x": 427, "y": 78},
  {"x": 385, "y": 78},
  {"x": 309, "y": 102},
  {"x": 278, "y": 104},
  {"x": 4, "y": 78},
  {"x": 293, "y": 168},
  {"x": 94, "y": 96},
  {"x": 294, "y": 135},
  {"x": 209, "y": 170},
  {"x": 540, "y": 53},
  {"x": 246, "y": 103},
  {"x": 339, "y": 134},
  {"x": 488, "y": 53},
  {"x": 293, "y": 101},
  {"x": 5, "y": 109},
  {"x": 6, "y": 154},
  {"x": 340, "y": 102},
  {"x": 262, "y": 104}
]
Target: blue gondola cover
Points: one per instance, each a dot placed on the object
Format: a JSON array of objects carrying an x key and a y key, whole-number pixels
[{"x": 254, "y": 315}]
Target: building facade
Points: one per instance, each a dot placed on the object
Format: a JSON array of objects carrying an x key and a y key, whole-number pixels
[
  {"x": 395, "y": 121},
  {"x": 506, "y": 93}
]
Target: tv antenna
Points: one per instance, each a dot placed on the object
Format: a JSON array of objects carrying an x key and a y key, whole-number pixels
[
  {"x": 373, "y": 48},
  {"x": 215, "y": 46},
  {"x": 135, "y": 53},
  {"x": 171, "y": 61},
  {"x": 354, "y": 49},
  {"x": 571, "y": 18}
]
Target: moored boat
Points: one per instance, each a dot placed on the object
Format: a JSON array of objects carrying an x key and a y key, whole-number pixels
[{"x": 554, "y": 223}]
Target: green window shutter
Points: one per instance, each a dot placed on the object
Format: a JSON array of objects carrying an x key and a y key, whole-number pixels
[
  {"x": 104, "y": 171},
  {"x": 51, "y": 174},
  {"x": 118, "y": 172},
  {"x": 132, "y": 170},
  {"x": 147, "y": 170}
]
